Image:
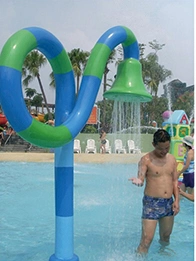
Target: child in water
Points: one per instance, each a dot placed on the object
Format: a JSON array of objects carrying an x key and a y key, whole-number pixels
[{"x": 188, "y": 168}]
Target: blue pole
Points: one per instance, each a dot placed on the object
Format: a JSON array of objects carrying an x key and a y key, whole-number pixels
[{"x": 64, "y": 204}]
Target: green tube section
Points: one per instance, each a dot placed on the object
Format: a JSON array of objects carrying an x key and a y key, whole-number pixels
[{"x": 49, "y": 137}]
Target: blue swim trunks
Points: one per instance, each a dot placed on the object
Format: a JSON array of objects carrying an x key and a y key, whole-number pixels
[{"x": 156, "y": 208}]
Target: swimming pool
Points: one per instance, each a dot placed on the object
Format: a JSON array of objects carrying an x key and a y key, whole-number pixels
[{"x": 107, "y": 224}]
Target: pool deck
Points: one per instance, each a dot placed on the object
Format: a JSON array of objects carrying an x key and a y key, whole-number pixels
[{"x": 78, "y": 158}]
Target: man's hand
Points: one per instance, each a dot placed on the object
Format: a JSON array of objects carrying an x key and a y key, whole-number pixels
[
  {"x": 136, "y": 181},
  {"x": 176, "y": 208}
]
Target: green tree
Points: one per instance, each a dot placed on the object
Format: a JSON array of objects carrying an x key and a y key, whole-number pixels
[
  {"x": 89, "y": 129},
  {"x": 156, "y": 46},
  {"x": 52, "y": 81},
  {"x": 106, "y": 105},
  {"x": 29, "y": 94},
  {"x": 185, "y": 102},
  {"x": 78, "y": 59},
  {"x": 37, "y": 101},
  {"x": 153, "y": 73},
  {"x": 32, "y": 64},
  {"x": 148, "y": 114}
]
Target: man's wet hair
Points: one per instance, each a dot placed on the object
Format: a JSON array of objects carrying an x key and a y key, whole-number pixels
[{"x": 161, "y": 135}]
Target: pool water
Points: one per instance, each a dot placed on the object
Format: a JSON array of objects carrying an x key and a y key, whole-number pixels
[{"x": 107, "y": 215}]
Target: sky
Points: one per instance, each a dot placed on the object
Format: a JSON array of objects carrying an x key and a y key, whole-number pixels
[{"x": 80, "y": 23}]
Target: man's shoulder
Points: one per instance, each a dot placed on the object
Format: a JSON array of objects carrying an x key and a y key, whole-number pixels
[
  {"x": 146, "y": 156},
  {"x": 171, "y": 157}
]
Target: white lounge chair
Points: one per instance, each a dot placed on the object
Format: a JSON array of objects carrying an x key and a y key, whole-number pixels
[
  {"x": 118, "y": 146},
  {"x": 77, "y": 147},
  {"x": 132, "y": 148},
  {"x": 90, "y": 146},
  {"x": 107, "y": 147}
]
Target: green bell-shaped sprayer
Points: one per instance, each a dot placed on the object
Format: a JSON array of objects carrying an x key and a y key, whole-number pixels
[{"x": 128, "y": 85}]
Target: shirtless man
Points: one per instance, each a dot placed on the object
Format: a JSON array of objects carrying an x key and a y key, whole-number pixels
[{"x": 158, "y": 168}]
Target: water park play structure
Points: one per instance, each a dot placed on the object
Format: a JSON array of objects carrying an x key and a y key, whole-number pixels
[
  {"x": 177, "y": 125},
  {"x": 71, "y": 113},
  {"x": 38, "y": 117}
]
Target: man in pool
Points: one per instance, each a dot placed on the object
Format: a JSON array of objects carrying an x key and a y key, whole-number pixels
[{"x": 159, "y": 169}]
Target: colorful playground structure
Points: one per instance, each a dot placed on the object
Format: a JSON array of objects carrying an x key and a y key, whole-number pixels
[
  {"x": 39, "y": 117},
  {"x": 178, "y": 126}
]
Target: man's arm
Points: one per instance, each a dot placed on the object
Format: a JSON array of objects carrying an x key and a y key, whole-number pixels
[
  {"x": 142, "y": 169},
  {"x": 176, "y": 206}
]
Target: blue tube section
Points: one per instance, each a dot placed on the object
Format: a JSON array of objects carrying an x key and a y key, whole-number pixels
[
  {"x": 64, "y": 204},
  {"x": 85, "y": 101},
  {"x": 54, "y": 258},
  {"x": 63, "y": 157},
  {"x": 113, "y": 37},
  {"x": 64, "y": 191},
  {"x": 64, "y": 238},
  {"x": 131, "y": 51},
  {"x": 47, "y": 43},
  {"x": 12, "y": 97},
  {"x": 65, "y": 96}
]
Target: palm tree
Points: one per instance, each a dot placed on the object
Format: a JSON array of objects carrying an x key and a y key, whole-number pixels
[
  {"x": 32, "y": 64},
  {"x": 52, "y": 81},
  {"x": 153, "y": 73},
  {"x": 78, "y": 59},
  {"x": 37, "y": 101},
  {"x": 29, "y": 93}
]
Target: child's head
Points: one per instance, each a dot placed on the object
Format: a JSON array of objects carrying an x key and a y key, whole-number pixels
[{"x": 188, "y": 141}]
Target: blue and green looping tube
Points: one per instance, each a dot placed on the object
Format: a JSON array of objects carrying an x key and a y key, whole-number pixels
[{"x": 74, "y": 113}]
